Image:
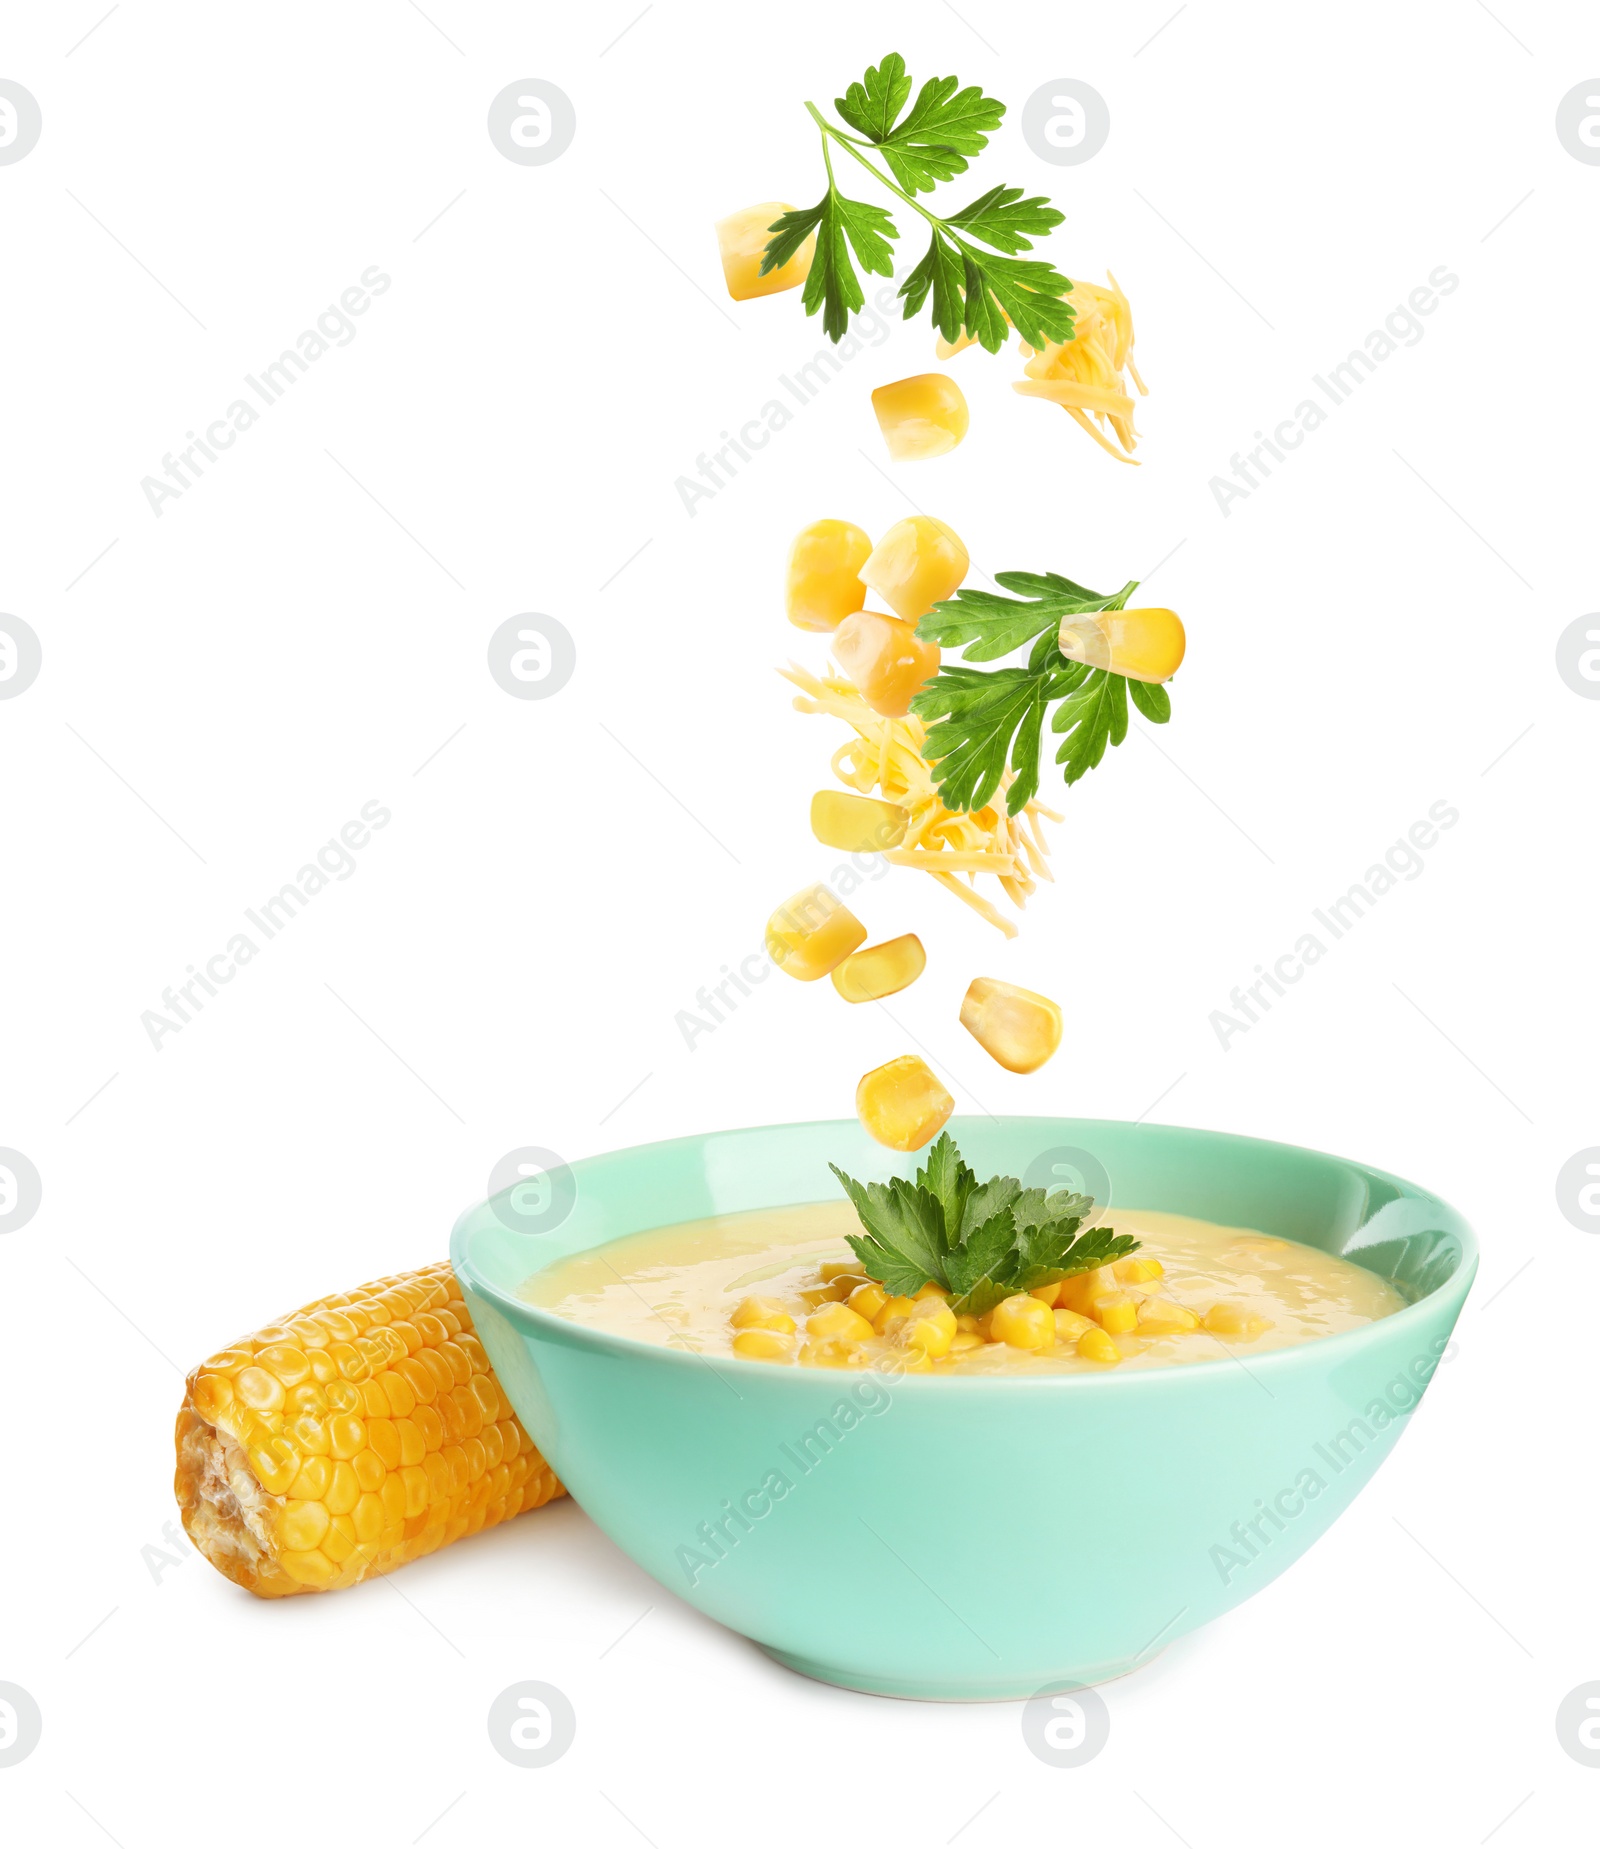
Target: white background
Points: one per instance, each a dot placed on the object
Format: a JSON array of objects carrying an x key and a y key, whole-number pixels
[{"x": 1372, "y": 631}]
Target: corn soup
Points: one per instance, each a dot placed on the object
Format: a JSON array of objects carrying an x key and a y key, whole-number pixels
[{"x": 781, "y": 1285}]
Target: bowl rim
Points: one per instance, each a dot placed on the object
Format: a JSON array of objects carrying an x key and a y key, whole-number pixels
[{"x": 1381, "y": 1332}]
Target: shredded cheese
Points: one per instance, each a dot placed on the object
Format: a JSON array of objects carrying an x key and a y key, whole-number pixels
[
  {"x": 1084, "y": 375},
  {"x": 886, "y": 756}
]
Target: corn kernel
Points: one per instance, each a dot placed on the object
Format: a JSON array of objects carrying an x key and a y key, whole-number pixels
[
  {"x": 1117, "y": 1315},
  {"x": 931, "y": 1327},
  {"x": 763, "y": 1313},
  {"x": 1023, "y": 1322},
  {"x": 885, "y": 658},
  {"x": 901, "y": 1104},
  {"x": 1138, "y": 1270},
  {"x": 1098, "y": 1345},
  {"x": 867, "y": 1300},
  {"x": 881, "y": 969},
  {"x": 857, "y": 824},
  {"x": 811, "y": 933},
  {"x": 921, "y": 417},
  {"x": 832, "y": 1269},
  {"x": 912, "y": 1361},
  {"x": 1160, "y": 1316},
  {"x": 893, "y": 1314},
  {"x": 968, "y": 1325},
  {"x": 822, "y": 585},
  {"x": 963, "y": 1341},
  {"x": 1079, "y": 1292},
  {"x": 924, "y": 1293},
  {"x": 1235, "y": 1320},
  {"x": 1048, "y": 1294},
  {"x": 823, "y": 1354},
  {"x": 1145, "y": 645},
  {"x": 837, "y": 1322},
  {"x": 1070, "y": 1326},
  {"x": 742, "y": 236},
  {"x": 918, "y": 563},
  {"x": 763, "y": 1345},
  {"x": 1015, "y": 1027}
]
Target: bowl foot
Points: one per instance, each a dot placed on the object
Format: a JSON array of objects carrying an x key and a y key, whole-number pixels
[{"x": 957, "y": 1688}]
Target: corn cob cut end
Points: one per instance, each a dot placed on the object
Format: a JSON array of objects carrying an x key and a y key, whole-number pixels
[{"x": 359, "y": 1433}]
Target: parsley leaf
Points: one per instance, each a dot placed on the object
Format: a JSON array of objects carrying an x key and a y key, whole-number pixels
[
  {"x": 1093, "y": 715},
  {"x": 904, "y": 1242},
  {"x": 873, "y": 106},
  {"x": 971, "y": 288},
  {"x": 977, "y": 292},
  {"x": 1003, "y": 218},
  {"x": 841, "y": 225},
  {"x": 945, "y": 125},
  {"x": 984, "y": 722},
  {"x": 969, "y": 1270},
  {"x": 981, "y": 1242},
  {"x": 980, "y": 724},
  {"x": 997, "y": 625}
]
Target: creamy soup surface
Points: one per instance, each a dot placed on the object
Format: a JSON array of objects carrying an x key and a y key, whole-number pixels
[{"x": 680, "y": 1285}]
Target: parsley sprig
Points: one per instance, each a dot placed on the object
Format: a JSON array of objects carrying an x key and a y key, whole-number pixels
[
  {"x": 971, "y": 288},
  {"x": 981, "y": 1241},
  {"x": 983, "y": 721}
]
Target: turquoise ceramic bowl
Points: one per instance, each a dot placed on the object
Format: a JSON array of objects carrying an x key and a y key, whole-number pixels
[{"x": 971, "y": 1539}]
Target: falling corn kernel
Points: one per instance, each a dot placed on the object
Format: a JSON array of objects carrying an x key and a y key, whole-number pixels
[
  {"x": 811, "y": 933},
  {"x": 921, "y": 417},
  {"x": 885, "y": 658},
  {"x": 918, "y": 563},
  {"x": 1144, "y": 645},
  {"x": 822, "y": 585},
  {"x": 1015, "y": 1027},
  {"x": 1160, "y": 1316},
  {"x": 1233, "y": 1319},
  {"x": 763, "y": 1313},
  {"x": 742, "y": 237},
  {"x": 881, "y": 969},
  {"x": 1023, "y": 1322},
  {"x": 1117, "y": 1314},
  {"x": 763, "y": 1345},
  {"x": 1097, "y": 1345},
  {"x": 901, "y": 1104},
  {"x": 857, "y": 824}
]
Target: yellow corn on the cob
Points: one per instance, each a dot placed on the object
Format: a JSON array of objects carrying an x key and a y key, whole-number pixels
[{"x": 360, "y": 1432}]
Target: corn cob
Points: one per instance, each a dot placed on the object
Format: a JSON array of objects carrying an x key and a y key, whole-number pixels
[{"x": 359, "y": 1433}]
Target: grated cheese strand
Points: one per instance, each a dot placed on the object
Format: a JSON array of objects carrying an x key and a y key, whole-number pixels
[{"x": 885, "y": 755}]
